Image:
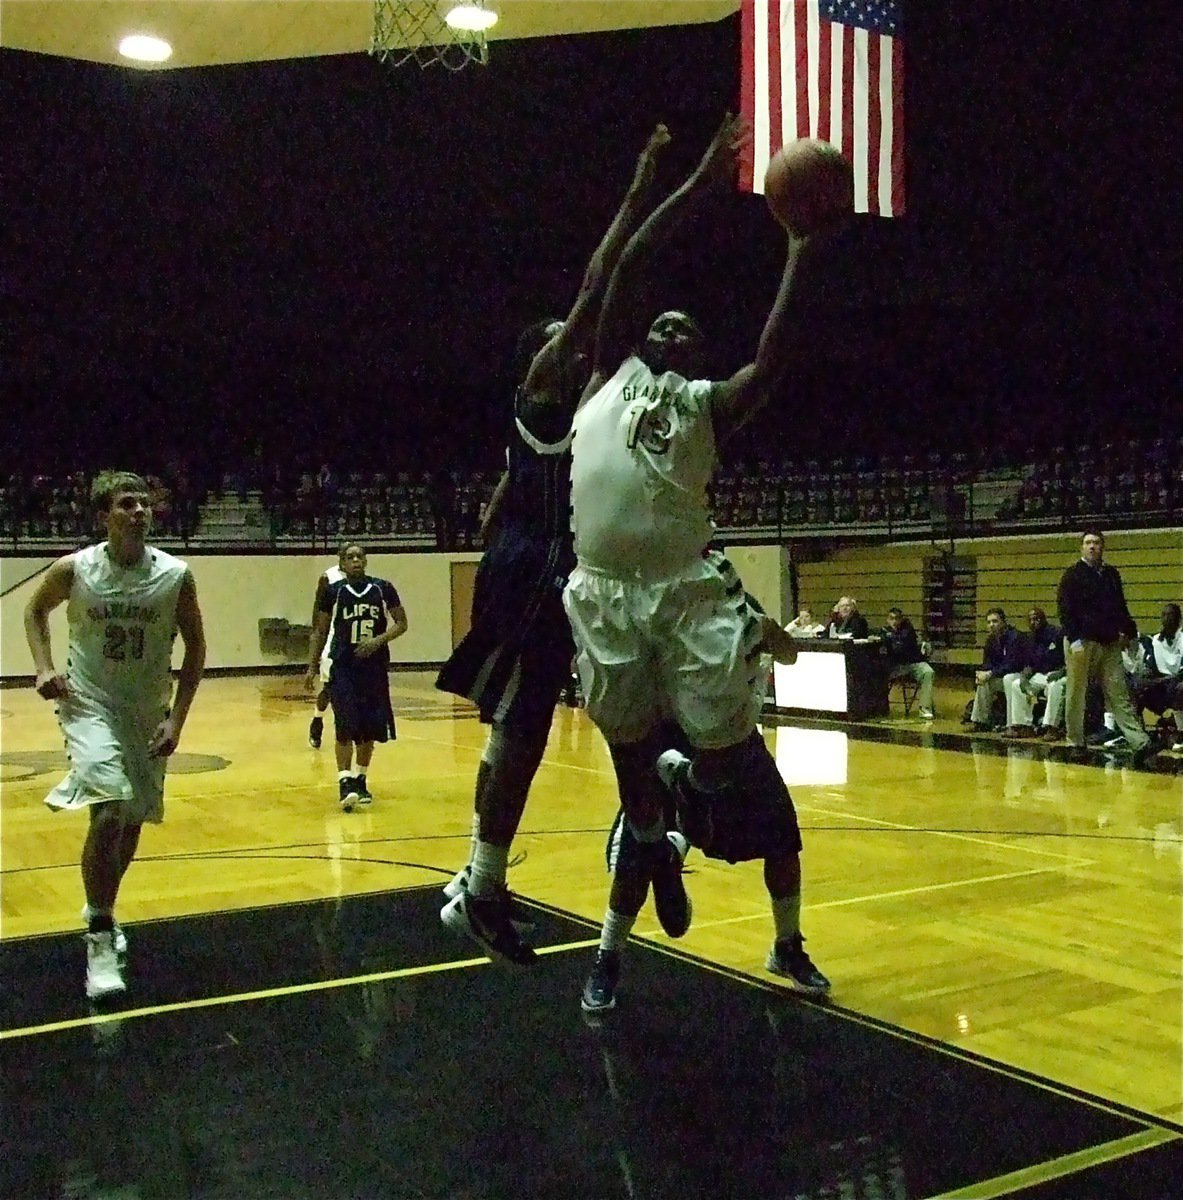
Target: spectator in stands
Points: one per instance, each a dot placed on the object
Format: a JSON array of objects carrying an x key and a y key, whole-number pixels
[
  {"x": 847, "y": 621},
  {"x": 161, "y": 500},
  {"x": 1003, "y": 654},
  {"x": 906, "y": 659},
  {"x": 1043, "y": 674},
  {"x": 804, "y": 626},
  {"x": 1094, "y": 616}
]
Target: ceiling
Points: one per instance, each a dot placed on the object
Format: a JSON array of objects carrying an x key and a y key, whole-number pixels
[{"x": 209, "y": 32}]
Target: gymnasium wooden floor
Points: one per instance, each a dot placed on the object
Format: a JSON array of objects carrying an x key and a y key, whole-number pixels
[{"x": 1002, "y": 928}]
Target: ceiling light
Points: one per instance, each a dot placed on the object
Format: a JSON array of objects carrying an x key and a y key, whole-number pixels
[
  {"x": 143, "y": 47},
  {"x": 474, "y": 17}
]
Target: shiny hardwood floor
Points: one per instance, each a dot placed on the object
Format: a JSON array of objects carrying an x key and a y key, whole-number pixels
[{"x": 1014, "y": 905}]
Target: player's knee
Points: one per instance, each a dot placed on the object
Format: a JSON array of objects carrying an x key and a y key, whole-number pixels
[
  {"x": 516, "y": 748},
  {"x": 107, "y": 820}
]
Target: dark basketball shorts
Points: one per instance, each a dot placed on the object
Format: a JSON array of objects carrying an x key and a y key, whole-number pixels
[
  {"x": 360, "y": 698},
  {"x": 753, "y": 820},
  {"x": 518, "y": 656}
]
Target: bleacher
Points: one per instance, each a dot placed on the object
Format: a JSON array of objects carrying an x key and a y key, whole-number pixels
[
  {"x": 1015, "y": 573},
  {"x": 922, "y": 499}
]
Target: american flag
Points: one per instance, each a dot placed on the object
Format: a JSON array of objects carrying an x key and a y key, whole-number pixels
[{"x": 829, "y": 69}]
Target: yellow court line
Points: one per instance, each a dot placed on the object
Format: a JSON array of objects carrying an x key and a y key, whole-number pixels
[
  {"x": 1058, "y": 1168},
  {"x": 1072, "y": 859},
  {"x": 913, "y": 891},
  {"x": 294, "y": 989}
]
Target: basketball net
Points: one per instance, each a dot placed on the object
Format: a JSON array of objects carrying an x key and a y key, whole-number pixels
[{"x": 406, "y": 30}]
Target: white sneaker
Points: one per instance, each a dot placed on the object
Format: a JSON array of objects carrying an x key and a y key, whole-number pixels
[
  {"x": 926, "y": 714},
  {"x": 120, "y": 936},
  {"x": 458, "y": 883},
  {"x": 103, "y": 974}
]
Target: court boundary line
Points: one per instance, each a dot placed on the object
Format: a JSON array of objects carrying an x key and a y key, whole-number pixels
[
  {"x": 1062, "y": 1167},
  {"x": 292, "y": 989},
  {"x": 768, "y": 986}
]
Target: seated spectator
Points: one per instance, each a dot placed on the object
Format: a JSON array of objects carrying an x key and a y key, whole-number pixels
[
  {"x": 1154, "y": 672},
  {"x": 1043, "y": 675},
  {"x": 1003, "y": 654},
  {"x": 847, "y": 622},
  {"x": 804, "y": 626},
  {"x": 905, "y": 659}
]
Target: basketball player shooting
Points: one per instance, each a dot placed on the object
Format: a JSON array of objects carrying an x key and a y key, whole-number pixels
[{"x": 660, "y": 626}]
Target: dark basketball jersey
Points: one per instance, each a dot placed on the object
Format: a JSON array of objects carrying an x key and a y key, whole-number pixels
[
  {"x": 537, "y": 502},
  {"x": 357, "y": 612}
]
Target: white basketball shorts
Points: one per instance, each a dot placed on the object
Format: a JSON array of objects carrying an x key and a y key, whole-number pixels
[
  {"x": 684, "y": 648},
  {"x": 109, "y": 761}
]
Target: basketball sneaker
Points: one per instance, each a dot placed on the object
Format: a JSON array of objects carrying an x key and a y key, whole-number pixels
[
  {"x": 458, "y": 883},
  {"x": 120, "y": 936},
  {"x": 599, "y": 992},
  {"x": 349, "y": 793},
  {"x": 520, "y": 917},
  {"x": 316, "y": 728},
  {"x": 103, "y": 974},
  {"x": 788, "y": 959},
  {"x": 486, "y": 921},
  {"x": 692, "y": 806},
  {"x": 674, "y": 910},
  {"x": 364, "y": 795}
]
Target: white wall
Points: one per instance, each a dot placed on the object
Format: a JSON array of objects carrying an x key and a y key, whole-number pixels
[
  {"x": 765, "y": 573},
  {"x": 235, "y": 591}
]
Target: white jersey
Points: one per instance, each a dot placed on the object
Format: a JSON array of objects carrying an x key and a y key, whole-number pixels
[
  {"x": 1168, "y": 656},
  {"x": 123, "y": 621},
  {"x": 642, "y": 457}
]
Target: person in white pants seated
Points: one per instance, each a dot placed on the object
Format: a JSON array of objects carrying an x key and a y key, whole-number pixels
[
  {"x": 1002, "y": 655},
  {"x": 1042, "y": 675}
]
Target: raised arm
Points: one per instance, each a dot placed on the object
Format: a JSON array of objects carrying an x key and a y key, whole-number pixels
[
  {"x": 734, "y": 401},
  {"x": 580, "y": 326},
  {"x": 622, "y": 317},
  {"x": 54, "y": 589}
]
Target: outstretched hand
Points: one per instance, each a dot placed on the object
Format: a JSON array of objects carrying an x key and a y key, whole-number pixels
[
  {"x": 647, "y": 160},
  {"x": 721, "y": 157}
]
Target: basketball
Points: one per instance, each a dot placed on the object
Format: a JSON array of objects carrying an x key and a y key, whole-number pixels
[{"x": 809, "y": 186}]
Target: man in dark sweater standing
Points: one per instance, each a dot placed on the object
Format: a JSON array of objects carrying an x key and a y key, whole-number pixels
[{"x": 1095, "y": 620}]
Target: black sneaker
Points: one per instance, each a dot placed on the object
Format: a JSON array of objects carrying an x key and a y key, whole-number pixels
[
  {"x": 364, "y": 795},
  {"x": 674, "y": 910},
  {"x": 349, "y": 793},
  {"x": 487, "y": 922},
  {"x": 1143, "y": 754},
  {"x": 788, "y": 959},
  {"x": 599, "y": 993},
  {"x": 692, "y": 806},
  {"x": 520, "y": 917},
  {"x": 316, "y": 728}
]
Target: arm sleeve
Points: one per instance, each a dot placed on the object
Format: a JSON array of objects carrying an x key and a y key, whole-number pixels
[
  {"x": 390, "y": 594},
  {"x": 327, "y": 597}
]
